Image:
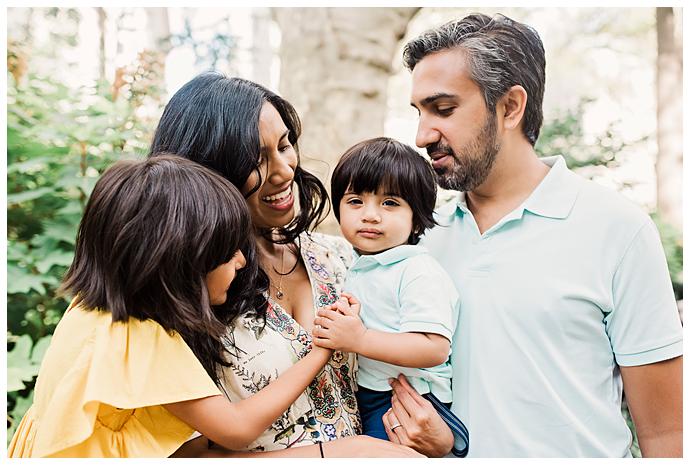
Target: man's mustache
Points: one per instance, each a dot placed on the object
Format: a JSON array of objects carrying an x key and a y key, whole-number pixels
[{"x": 437, "y": 148}]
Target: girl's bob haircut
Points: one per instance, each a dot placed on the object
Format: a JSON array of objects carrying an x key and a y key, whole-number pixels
[
  {"x": 151, "y": 232},
  {"x": 386, "y": 165}
]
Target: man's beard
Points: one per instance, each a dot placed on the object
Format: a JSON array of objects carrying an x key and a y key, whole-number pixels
[{"x": 471, "y": 168}]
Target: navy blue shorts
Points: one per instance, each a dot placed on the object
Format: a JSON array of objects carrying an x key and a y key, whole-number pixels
[{"x": 372, "y": 406}]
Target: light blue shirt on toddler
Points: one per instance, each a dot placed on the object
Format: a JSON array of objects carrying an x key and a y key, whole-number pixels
[{"x": 404, "y": 290}]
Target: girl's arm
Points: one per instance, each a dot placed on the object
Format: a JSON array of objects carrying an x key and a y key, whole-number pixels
[
  {"x": 343, "y": 330},
  {"x": 235, "y": 425}
]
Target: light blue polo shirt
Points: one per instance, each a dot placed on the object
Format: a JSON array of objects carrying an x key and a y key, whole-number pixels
[
  {"x": 404, "y": 290},
  {"x": 554, "y": 297}
]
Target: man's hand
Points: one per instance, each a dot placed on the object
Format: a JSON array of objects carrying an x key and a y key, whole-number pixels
[
  {"x": 421, "y": 427},
  {"x": 339, "y": 327}
]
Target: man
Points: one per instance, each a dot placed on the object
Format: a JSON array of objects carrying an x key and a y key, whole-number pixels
[{"x": 566, "y": 300}]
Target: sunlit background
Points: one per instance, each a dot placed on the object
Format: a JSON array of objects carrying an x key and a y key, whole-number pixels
[{"x": 87, "y": 85}]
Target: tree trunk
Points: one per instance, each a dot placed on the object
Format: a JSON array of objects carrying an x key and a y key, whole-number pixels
[
  {"x": 669, "y": 86},
  {"x": 262, "y": 54},
  {"x": 100, "y": 11},
  {"x": 335, "y": 65},
  {"x": 158, "y": 30}
]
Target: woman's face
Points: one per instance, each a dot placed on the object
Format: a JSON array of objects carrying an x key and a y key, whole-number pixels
[
  {"x": 219, "y": 279},
  {"x": 272, "y": 205}
]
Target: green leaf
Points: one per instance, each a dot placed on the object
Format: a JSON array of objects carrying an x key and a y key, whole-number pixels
[
  {"x": 20, "y": 368},
  {"x": 30, "y": 166},
  {"x": 40, "y": 348},
  {"x": 61, "y": 231},
  {"x": 26, "y": 196},
  {"x": 54, "y": 258},
  {"x": 19, "y": 280},
  {"x": 21, "y": 406}
]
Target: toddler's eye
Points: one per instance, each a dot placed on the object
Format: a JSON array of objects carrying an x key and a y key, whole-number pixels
[
  {"x": 390, "y": 203},
  {"x": 354, "y": 201}
]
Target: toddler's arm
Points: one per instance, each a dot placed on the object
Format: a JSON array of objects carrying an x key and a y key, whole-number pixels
[
  {"x": 235, "y": 425},
  {"x": 342, "y": 329}
]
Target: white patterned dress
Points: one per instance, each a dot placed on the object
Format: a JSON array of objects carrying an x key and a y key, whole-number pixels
[{"x": 327, "y": 409}]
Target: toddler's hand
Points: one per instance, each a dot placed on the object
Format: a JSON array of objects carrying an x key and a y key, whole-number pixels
[
  {"x": 339, "y": 329},
  {"x": 347, "y": 304}
]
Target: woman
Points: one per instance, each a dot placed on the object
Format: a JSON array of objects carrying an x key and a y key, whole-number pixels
[{"x": 249, "y": 135}]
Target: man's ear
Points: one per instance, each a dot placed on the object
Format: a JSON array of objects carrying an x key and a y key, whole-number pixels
[{"x": 512, "y": 105}]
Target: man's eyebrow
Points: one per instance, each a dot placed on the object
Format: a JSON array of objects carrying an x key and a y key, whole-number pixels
[{"x": 433, "y": 97}]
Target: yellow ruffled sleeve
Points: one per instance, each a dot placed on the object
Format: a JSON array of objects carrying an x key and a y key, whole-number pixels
[{"x": 108, "y": 401}]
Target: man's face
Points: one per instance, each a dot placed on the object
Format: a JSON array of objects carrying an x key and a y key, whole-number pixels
[{"x": 455, "y": 127}]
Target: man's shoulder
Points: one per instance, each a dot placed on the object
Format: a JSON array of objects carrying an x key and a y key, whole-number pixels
[{"x": 606, "y": 206}]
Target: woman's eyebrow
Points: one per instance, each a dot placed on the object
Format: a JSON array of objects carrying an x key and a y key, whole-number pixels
[{"x": 263, "y": 148}]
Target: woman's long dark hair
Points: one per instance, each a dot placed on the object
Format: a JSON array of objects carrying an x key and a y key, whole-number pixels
[
  {"x": 214, "y": 120},
  {"x": 151, "y": 232}
]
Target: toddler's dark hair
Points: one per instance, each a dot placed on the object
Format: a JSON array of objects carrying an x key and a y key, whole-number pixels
[{"x": 392, "y": 167}]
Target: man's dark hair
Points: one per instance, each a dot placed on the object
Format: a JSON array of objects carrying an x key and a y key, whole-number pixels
[
  {"x": 386, "y": 165},
  {"x": 151, "y": 232},
  {"x": 500, "y": 52},
  {"x": 214, "y": 120}
]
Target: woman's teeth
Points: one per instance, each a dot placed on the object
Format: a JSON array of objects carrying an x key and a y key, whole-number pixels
[{"x": 278, "y": 196}]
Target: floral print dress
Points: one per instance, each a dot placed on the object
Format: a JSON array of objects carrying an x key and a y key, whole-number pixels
[{"x": 327, "y": 409}]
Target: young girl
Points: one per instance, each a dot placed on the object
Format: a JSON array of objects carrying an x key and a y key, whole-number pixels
[
  {"x": 384, "y": 194},
  {"x": 163, "y": 264}
]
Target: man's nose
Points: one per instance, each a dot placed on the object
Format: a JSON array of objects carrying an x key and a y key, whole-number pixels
[{"x": 426, "y": 134}]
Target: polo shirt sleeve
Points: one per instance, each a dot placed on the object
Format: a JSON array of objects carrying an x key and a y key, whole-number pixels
[
  {"x": 644, "y": 326},
  {"x": 428, "y": 299}
]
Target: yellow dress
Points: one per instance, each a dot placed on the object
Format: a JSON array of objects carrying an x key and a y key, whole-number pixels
[{"x": 101, "y": 386}]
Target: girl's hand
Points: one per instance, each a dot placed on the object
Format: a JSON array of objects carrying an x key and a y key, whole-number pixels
[
  {"x": 340, "y": 328},
  {"x": 321, "y": 353}
]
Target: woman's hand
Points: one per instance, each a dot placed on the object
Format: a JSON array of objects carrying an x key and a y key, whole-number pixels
[
  {"x": 421, "y": 427},
  {"x": 339, "y": 327}
]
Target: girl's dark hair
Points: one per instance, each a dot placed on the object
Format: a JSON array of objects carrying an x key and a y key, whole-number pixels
[
  {"x": 392, "y": 167},
  {"x": 151, "y": 232},
  {"x": 214, "y": 120}
]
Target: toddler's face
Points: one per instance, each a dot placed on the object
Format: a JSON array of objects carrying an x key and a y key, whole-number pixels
[
  {"x": 374, "y": 222},
  {"x": 219, "y": 279}
]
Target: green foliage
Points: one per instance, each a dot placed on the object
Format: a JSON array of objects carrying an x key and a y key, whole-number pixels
[
  {"x": 564, "y": 135},
  {"x": 59, "y": 140},
  {"x": 672, "y": 241}
]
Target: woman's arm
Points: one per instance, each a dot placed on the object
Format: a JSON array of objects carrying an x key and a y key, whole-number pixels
[
  {"x": 353, "y": 446},
  {"x": 235, "y": 425},
  {"x": 343, "y": 330}
]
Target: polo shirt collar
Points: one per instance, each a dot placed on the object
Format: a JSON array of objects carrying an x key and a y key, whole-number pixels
[
  {"x": 555, "y": 195},
  {"x": 387, "y": 257}
]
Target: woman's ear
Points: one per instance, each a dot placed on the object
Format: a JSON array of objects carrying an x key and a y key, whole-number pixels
[{"x": 512, "y": 105}]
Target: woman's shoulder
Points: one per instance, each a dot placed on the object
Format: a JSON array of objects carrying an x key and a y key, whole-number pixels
[{"x": 328, "y": 246}]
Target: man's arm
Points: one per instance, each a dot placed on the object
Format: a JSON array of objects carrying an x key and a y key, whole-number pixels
[
  {"x": 421, "y": 427},
  {"x": 654, "y": 394}
]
